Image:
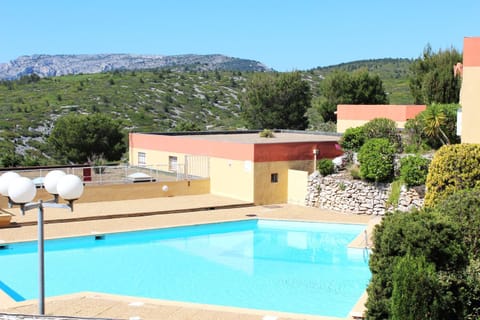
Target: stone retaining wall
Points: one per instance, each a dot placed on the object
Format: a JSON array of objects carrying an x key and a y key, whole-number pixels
[{"x": 335, "y": 192}]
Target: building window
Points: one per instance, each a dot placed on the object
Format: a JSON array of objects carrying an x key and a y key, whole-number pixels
[
  {"x": 172, "y": 163},
  {"x": 274, "y": 178},
  {"x": 142, "y": 159}
]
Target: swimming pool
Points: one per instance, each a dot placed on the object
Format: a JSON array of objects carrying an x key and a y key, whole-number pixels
[{"x": 298, "y": 267}]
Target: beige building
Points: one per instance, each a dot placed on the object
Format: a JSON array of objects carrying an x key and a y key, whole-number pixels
[
  {"x": 356, "y": 115},
  {"x": 242, "y": 165},
  {"x": 468, "y": 125}
]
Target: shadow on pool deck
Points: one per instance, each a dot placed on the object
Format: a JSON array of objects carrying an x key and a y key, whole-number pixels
[{"x": 119, "y": 216}]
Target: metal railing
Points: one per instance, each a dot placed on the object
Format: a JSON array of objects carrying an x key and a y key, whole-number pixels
[{"x": 117, "y": 174}]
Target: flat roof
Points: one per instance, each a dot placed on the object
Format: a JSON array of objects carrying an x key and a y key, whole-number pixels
[{"x": 250, "y": 137}]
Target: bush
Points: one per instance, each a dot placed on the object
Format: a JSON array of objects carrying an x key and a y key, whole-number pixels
[
  {"x": 414, "y": 136},
  {"x": 415, "y": 287},
  {"x": 464, "y": 207},
  {"x": 376, "y": 160},
  {"x": 471, "y": 294},
  {"x": 453, "y": 168},
  {"x": 383, "y": 128},
  {"x": 354, "y": 171},
  {"x": 266, "y": 133},
  {"x": 325, "y": 167},
  {"x": 437, "y": 119},
  {"x": 414, "y": 170},
  {"x": 431, "y": 235},
  {"x": 353, "y": 139},
  {"x": 394, "y": 196}
]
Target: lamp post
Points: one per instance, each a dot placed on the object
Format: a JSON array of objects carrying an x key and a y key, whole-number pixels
[
  {"x": 22, "y": 191},
  {"x": 315, "y": 154}
]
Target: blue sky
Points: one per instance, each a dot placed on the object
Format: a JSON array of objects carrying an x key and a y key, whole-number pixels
[{"x": 283, "y": 34}]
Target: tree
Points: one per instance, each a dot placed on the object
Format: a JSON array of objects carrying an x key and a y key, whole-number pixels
[
  {"x": 368, "y": 89},
  {"x": 186, "y": 126},
  {"x": 320, "y": 113},
  {"x": 432, "y": 79},
  {"x": 83, "y": 138},
  {"x": 341, "y": 87},
  {"x": 276, "y": 101},
  {"x": 8, "y": 157}
]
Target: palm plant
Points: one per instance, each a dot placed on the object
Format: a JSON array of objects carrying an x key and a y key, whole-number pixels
[{"x": 433, "y": 120}]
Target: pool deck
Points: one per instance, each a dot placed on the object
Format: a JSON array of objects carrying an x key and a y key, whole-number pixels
[{"x": 120, "y": 216}]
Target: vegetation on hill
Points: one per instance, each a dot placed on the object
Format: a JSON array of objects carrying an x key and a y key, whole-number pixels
[{"x": 149, "y": 100}]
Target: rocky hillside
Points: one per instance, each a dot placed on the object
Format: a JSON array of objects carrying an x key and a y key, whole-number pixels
[
  {"x": 59, "y": 65},
  {"x": 158, "y": 99}
]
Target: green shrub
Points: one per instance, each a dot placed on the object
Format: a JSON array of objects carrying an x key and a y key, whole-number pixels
[
  {"x": 464, "y": 207},
  {"x": 434, "y": 236},
  {"x": 415, "y": 289},
  {"x": 453, "y": 168},
  {"x": 353, "y": 139},
  {"x": 383, "y": 128},
  {"x": 325, "y": 167},
  {"x": 416, "y": 148},
  {"x": 355, "y": 171},
  {"x": 414, "y": 170},
  {"x": 471, "y": 294},
  {"x": 266, "y": 133},
  {"x": 432, "y": 126},
  {"x": 414, "y": 137},
  {"x": 394, "y": 196},
  {"x": 376, "y": 160}
]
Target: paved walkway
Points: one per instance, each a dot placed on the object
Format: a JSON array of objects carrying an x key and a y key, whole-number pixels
[{"x": 118, "y": 216}]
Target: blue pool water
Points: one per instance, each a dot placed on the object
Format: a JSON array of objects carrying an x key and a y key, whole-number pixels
[{"x": 297, "y": 267}]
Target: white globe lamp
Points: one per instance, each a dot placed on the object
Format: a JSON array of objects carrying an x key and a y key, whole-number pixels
[
  {"x": 5, "y": 180},
  {"x": 70, "y": 187},
  {"x": 22, "y": 190},
  {"x": 51, "y": 181}
]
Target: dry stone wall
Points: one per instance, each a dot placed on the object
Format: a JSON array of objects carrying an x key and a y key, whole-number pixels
[{"x": 338, "y": 193}]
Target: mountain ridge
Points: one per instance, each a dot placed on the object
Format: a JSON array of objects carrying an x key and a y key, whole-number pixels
[{"x": 45, "y": 65}]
